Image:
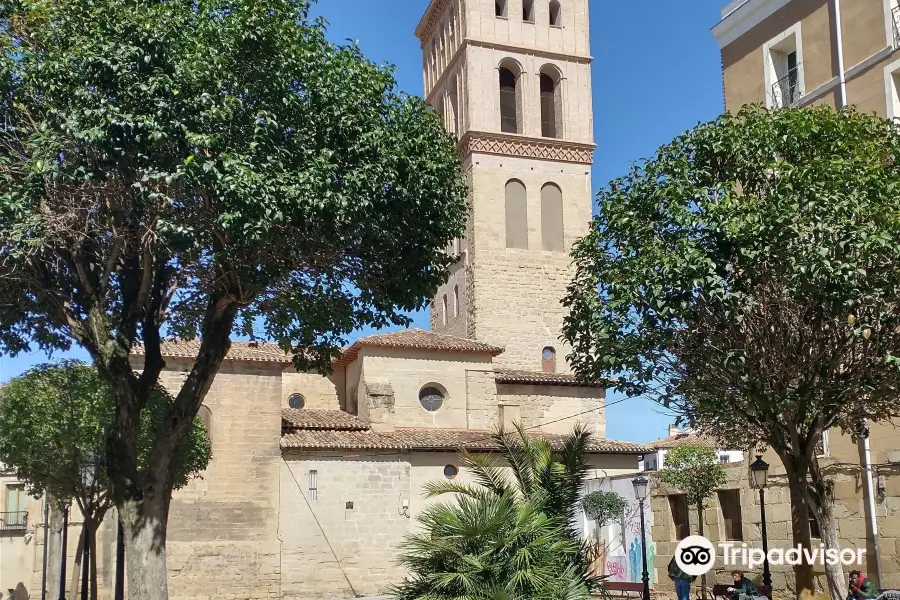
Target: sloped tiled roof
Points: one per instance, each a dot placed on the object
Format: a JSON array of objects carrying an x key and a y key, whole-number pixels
[
  {"x": 429, "y": 439},
  {"x": 335, "y": 420},
  {"x": 417, "y": 339},
  {"x": 254, "y": 351},
  {"x": 539, "y": 378},
  {"x": 683, "y": 438}
]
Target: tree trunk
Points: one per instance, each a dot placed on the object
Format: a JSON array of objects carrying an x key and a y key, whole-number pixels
[
  {"x": 75, "y": 581},
  {"x": 144, "y": 526},
  {"x": 700, "y": 532},
  {"x": 54, "y": 548},
  {"x": 821, "y": 503},
  {"x": 797, "y": 469}
]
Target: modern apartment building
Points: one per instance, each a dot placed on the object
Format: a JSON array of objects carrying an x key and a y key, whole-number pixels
[{"x": 806, "y": 52}]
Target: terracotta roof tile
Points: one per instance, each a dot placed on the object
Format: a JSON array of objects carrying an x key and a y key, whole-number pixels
[
  {"x": 539, "y": 378},
  {"x": 417, "y": 339},
  {"x": 683, "y": 438},
  {"x": 430, "y": 439},
  {"x": 335, "y": 420},
  {"x": 254, "y": 351}
]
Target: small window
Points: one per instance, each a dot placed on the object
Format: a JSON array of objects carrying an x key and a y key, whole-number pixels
[
  {"x": 455, "y": 300},
  {"x": 16, "y": 517},
  {"x": 548, "y": 360},
  {"x": 814, "y": 529},
  {"x": 730, "y": 502},
  {"x": 500, "y": 8},
  {"x": 822, "y": 446},
  {"x": 444, "y": 310},
  {"x": 528, "y": 11},
  {"x": 296, "y": 401},
  {"x": 555, "y": 14},
  {"x": 451, "y": 471},
  {"x": 723, "y": 458},
  {"x": 206, "y": 418},
  {"x": 548, "y": 106},
  {"x": 679, "y": 507},
  {"x": 431, "y": 398},
  {"x": 313, "y": 486}
]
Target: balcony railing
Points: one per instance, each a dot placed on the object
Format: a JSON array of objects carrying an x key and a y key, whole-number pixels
[
  {"x": 895, "y": 24},
  {"x": 14, "y": 521},
  {"x": 786, "y": 91}
]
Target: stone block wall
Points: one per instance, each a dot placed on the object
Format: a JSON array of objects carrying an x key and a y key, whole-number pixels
[
  {"x": 552, "y": 408},
  {"x": 223, "y": 529},
  {"x": 343, "y": 541}
]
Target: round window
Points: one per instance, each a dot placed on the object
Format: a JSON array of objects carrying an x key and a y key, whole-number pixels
[
  {"x": 431, "y": 398},
  {"x": 296, "y": 401},
  {"x": 549, "y": 353},
  {"x": 450, "y": 471}
]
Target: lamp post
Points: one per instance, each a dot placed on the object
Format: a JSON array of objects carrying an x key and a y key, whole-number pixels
[
  {"x": 641, "y": 487},
  {"x": 89, "y": 479},
  {"x": 759, "y": 474},
  {"x": 64, "y": 507}
]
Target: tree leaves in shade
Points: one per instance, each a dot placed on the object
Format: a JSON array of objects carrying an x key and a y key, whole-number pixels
[
  {"x": 746, "y": 277},
  {"x": 202, "y": 170},
  {"x": 510, "y": 534}
]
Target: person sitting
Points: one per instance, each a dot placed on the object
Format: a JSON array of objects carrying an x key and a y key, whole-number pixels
[
  {"x": 742, "y": 586},
  {"x": 860, "y": 587}
]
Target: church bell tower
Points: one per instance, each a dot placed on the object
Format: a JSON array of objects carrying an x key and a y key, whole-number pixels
[{"x": 512, "y": 80}]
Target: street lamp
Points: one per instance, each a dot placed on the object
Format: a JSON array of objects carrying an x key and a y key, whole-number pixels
[
  {"x": 64, "y": 507},
  {"x": 759, "y": 474},
  {"x": 641, "y": 487}
]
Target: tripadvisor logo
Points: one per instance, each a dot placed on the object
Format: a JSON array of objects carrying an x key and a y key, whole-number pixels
[{"x": 695, "y": 555}]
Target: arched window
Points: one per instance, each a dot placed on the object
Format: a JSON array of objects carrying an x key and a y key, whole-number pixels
[
  {"x": 296, "y": 401},
  {"x": 205, "y": 416},
  {"x": 431, "y": 397},
  {"x": 551, "y": 102},
  {"x": 516, "y": 215},
  {"x": 444, "y": 310},
  {"x": 455, "y": 300},
  {"x": 548, "y": 360},
  {"x": 500, "y": 8},
  {"x": 552, "y": 218},
  {"x": 555, "y": 14},
  {"x": 528, "y": 11},
  {"x": 509, "y": 121}
]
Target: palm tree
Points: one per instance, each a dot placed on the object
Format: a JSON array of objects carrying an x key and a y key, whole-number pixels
[{"x": 512, "y": 535}]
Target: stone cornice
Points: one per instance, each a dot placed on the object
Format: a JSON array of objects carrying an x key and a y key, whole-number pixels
[
  {"x": 508, "y": 144},
  {"x": 434, "y": 12}
]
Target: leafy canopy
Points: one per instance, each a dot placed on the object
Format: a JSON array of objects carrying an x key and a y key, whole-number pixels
[
  {"x": 53, "y": 425},
  {"x": 695, "y": 470},
  {"x": 217, "y": 163},
  {"x": 508, "y": 536},
  {"x": 746, "y": 276},
  {"x": 603, "y": 507}
]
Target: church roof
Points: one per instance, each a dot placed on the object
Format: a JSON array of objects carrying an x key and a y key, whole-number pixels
[
  {"x": 335, "y": 420},
  {"x": 539, "y": 378},
  {"x": 254, "y": 351},
  {"x": 417, "y": 339},
  {"x": 336, "y": 430}
]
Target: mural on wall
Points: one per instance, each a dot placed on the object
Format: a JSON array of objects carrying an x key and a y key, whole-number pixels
[{"x": 620, "y": 543}]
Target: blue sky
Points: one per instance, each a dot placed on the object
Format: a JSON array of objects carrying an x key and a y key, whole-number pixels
[{"x": 656, "y": 72}]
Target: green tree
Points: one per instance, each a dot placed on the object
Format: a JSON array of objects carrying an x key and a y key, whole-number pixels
[
  {"x": 54, "y": 420},
  {"x": 603, "y": 507},
  {"x": 204, "y": 169},
  {"x": 746, "y": 277},
  {"x": 509, "y": 536},
  {"x": 696, "y": 471}
]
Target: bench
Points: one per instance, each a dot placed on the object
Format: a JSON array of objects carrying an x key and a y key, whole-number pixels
[{"x": 623, "y": 589}]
